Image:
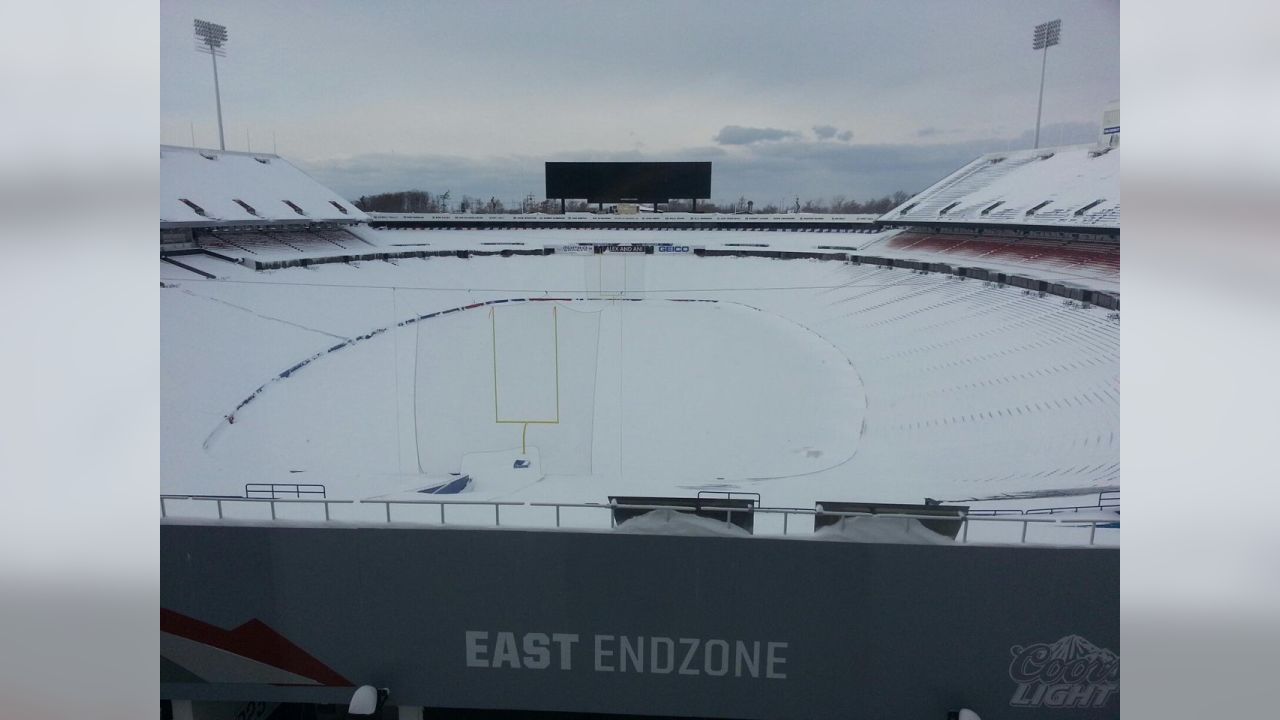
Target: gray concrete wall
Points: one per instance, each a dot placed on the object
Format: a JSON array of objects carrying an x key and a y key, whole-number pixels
[{"x": 853, "y": 630}]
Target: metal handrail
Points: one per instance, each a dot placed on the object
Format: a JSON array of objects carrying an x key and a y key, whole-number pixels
[
  {"x": 497, "y": 505},
  {"x": 270, "y": 501},
  {"x": 298, "y": 489},
  {"x": 965, "y": 517}
]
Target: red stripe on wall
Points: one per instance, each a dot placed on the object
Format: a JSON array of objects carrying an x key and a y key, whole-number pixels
[{"x": 253, "y": 640}]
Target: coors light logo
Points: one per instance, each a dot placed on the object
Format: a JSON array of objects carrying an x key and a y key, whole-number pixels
[{"x": 1070, "y": 673}]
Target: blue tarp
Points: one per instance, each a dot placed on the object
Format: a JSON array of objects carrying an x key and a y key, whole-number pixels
[{"x": 450, "y": 488}]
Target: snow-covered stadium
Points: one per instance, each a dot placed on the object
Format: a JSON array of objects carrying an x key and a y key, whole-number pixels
[
  {"x": 951, "y": 367},
  {"x": 931, "y": 353}
]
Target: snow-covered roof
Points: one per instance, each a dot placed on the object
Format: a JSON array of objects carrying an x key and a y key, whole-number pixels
[
  {"x": 212, "y": 187},
  {"x": 1072, "y": 186}
]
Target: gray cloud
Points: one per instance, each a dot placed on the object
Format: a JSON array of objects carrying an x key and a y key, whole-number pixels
[
  {"x": 767, "y": 172},
  {"x": 426, "y": 78},
  {"x": 332, "y": 85},
  {"x": 739, "y": 135},
  {"x": 829, "y": 132},
  {"x": 508, "y": 178}
]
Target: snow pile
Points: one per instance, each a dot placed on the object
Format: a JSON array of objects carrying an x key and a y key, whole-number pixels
[
  {"x": 675, "y": 522},
  {"x": 902, "y": 531}
]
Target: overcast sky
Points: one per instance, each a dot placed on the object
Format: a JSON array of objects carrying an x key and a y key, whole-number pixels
[{"x": 792, "y": 98}]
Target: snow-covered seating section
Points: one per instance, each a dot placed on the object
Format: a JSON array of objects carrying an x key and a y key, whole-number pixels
[
  {"x": 262, "y": 243},
  {"x": 1032, "y": 252},
  {"x": 201, "y": 188},
  {"x": 1076, "y": 186}
]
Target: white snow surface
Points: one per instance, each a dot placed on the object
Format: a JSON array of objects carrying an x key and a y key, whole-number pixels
[
  {"x": 804, "y": 381},
  {"x": 871, "y": 529},
  {"x": 674, "y": 522},
  {"x": 215, "y": 179},
  {"x": 1070, "y": 178}
]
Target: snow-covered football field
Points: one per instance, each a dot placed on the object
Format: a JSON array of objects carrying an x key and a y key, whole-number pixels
[{"x": 800, "y": 380}]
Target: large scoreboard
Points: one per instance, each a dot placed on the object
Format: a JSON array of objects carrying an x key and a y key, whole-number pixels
[{"x": 628, "y": 181}]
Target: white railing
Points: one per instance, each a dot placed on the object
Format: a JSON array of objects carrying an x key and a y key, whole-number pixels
[
  {"x": 1011, "y": 528},
  {"x": 218, "y": 502}
]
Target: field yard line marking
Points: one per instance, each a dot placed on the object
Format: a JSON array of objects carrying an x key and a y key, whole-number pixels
[
  {"x": 255, "y": 313},
  {"x": 494, "y": 324},
  {"x": 417, "y": 345},
  {"x": 395, "y": 370}
]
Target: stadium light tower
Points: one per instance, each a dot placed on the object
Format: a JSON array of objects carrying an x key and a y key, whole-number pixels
[
  {"x": 1046, "y": 36},
  {"x": 210, "y": 37}
]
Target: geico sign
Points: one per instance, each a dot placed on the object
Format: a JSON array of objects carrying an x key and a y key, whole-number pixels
[{"x": 673, "y": 249}]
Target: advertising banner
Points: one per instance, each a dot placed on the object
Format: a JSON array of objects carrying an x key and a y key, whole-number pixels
[{"x": 575, "y": 249}]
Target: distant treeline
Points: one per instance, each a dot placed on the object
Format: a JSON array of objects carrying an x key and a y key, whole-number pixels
[{"x": 421, "y": 201}]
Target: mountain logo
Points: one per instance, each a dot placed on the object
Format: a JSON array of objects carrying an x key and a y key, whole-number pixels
[{"x": 1069, "y": 673}]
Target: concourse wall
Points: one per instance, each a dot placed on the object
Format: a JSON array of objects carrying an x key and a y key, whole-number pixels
[{"x": 843, "y": 629}]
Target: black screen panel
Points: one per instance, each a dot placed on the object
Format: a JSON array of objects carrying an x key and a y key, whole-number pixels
[{"x": 628, "y": 181}]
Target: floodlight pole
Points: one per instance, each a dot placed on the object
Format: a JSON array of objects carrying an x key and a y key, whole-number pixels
[
  {"x": 1046, "y": 35},
  {"x": 211, "y": 37},
  {"x": 1040, "y": 104},
  {"x": 217, "y": 96}
]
